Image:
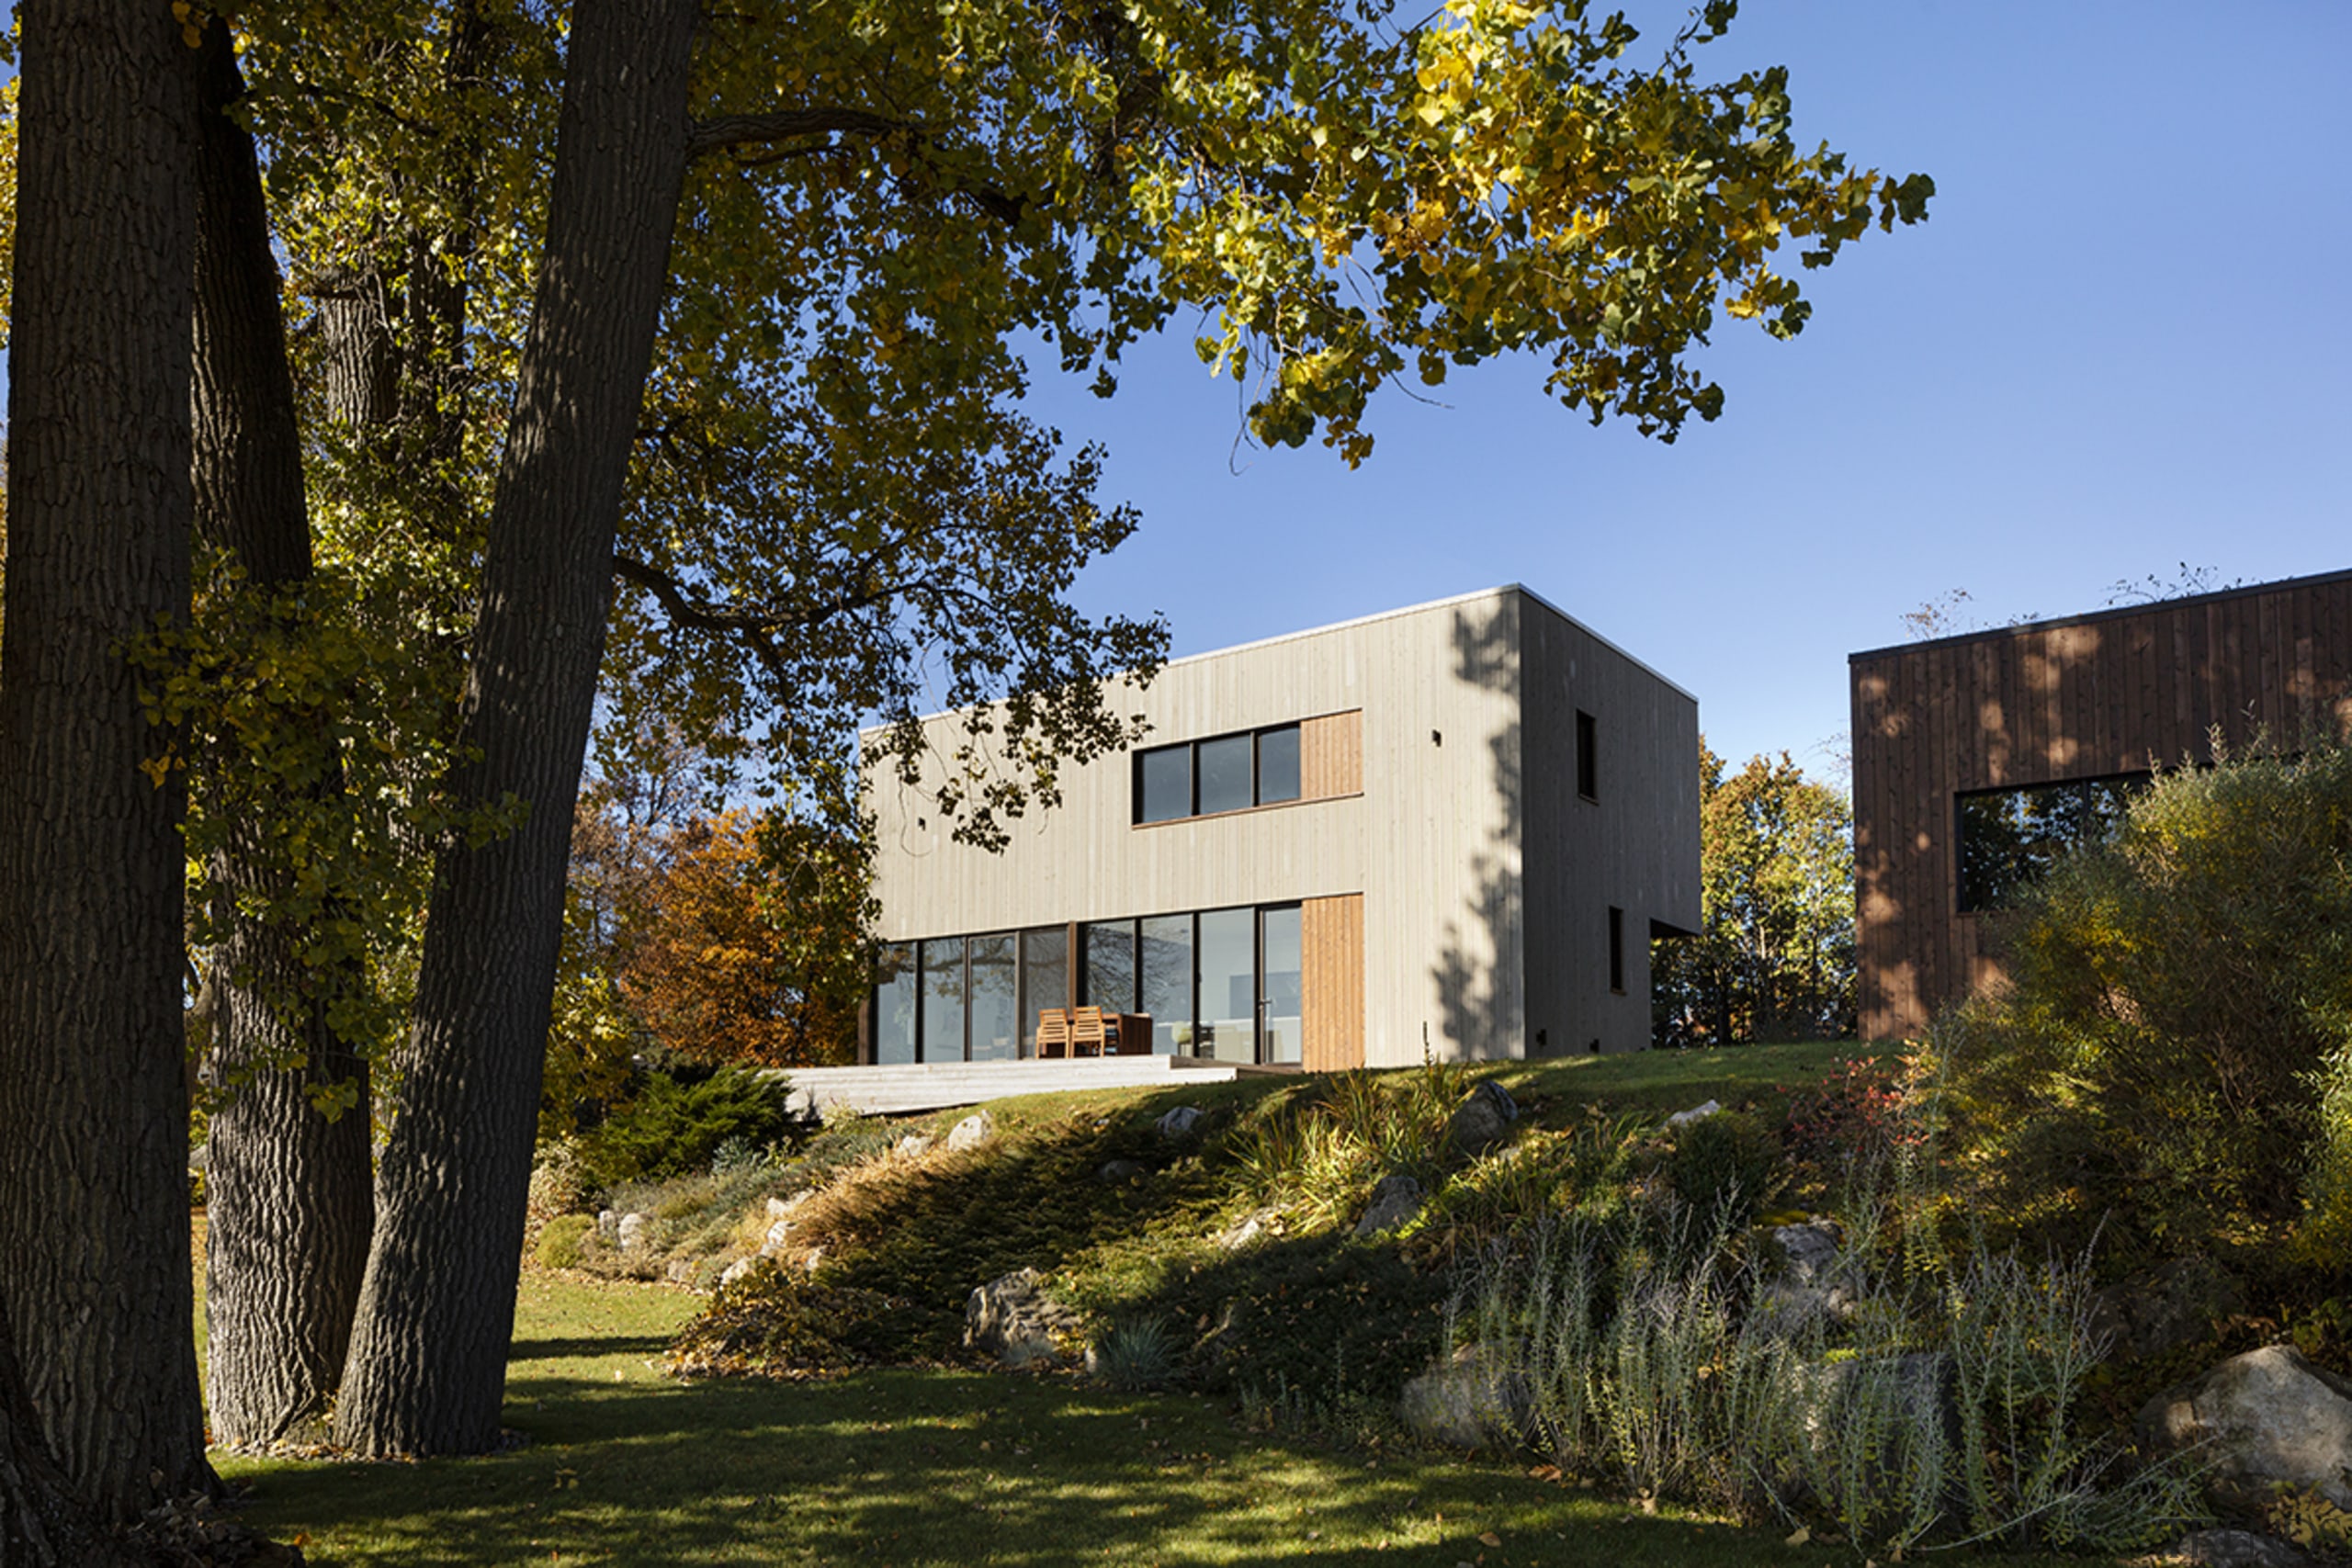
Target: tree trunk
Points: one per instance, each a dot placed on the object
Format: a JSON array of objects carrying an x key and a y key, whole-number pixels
[
  {"x": 94, "y": 1276},
  {"x": 41, "y": 1521},
  {"x": 289, "y": 1191},
  {"x": 428, "y": 1356}
]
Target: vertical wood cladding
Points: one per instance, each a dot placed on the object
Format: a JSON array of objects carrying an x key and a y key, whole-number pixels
[
  {"x": 1330, "y": 756},
  {"x": 2098, "y": 695},
  {"x": 1331, "y": 988}
]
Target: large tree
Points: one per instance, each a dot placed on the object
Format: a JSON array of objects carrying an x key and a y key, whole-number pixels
[
  {"x": 1774, "y": 955},
  {"x": 815, "y": 387},
  {"x": 94, "y": 1289}
]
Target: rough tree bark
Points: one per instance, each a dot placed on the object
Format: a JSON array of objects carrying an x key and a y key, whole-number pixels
[
  {"x": 41, "y": 1522},
  {"x": 94, "y": 1277},
  {"x": 289, "y": 1193},
  {"x": 428, "y": 1355}
]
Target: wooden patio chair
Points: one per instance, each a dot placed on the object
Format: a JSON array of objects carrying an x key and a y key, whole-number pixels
[
  {"x": 1053, "y": 1032},
  {"x": 1090, "y": 1033}
]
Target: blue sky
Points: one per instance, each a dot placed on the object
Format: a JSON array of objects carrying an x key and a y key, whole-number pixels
[{"x": 2118, "y": 344}]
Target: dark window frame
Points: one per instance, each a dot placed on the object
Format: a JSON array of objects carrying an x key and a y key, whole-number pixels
[
  {"x": 1616, "y": 949},
  {"x": 1588, "y": 757},
  {"x": 1983, "y": 890},
  {"x": 1190, "y": 748}
]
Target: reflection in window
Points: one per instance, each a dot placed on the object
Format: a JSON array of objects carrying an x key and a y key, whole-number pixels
[
  {"x": 1277, "y": 764},
  {"x": 1228, "y": 986},
  {"x": 996, "y": 1020},
  {"x": 1164, "y": 783},
  {"x": 1223, "y": 767},
  {"x": 1228, "y": 772},
  {"x": 1045, "y": 980},
  {"x": 1111, "y": 966},
  {"x": 1279, "y": 941},
  {"x": 894, "y": 1004},
  {"x": 942, "y": 1001},
  {"x": 2009, "y": 837},
  {"x": 1167, "y": 965}
]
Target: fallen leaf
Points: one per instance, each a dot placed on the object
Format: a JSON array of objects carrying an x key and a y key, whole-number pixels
[
  {"x": 1801, "y": 1537},
  {"x": 1489, "y": 1537}
]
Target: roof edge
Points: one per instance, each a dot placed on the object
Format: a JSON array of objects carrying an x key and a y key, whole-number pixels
[{"x": 2113, "y": 612}]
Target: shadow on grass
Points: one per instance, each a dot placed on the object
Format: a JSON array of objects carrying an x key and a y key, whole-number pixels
[
  {"x": 917, "y": 1468},
  {"x": 556, "y": 1349}
]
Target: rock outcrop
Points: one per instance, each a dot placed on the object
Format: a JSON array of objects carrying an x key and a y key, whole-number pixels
[{"x": 2259, "y": 1421}]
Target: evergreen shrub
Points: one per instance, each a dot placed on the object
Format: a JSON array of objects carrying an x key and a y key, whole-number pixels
[{"x": 673, "y": 1128}]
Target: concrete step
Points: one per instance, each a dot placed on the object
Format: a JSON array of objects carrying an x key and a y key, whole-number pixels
[{"x": 927, "y": 1086}]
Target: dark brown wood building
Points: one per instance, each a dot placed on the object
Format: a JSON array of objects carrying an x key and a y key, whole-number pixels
[{"x": 1978, "y": 757}]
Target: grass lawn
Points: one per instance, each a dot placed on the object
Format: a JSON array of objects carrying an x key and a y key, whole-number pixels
[{"x": 626, "y": 1466}]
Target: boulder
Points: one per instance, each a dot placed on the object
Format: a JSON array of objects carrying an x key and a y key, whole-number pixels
[
  {"x": 772, "y": 1243},
  {"x": 2162, "y": 1310},
  {"x": 737, "y": 1270},
  {"x": 2237, "y": 1549},
  {"x": 914, "y": 1145},
  {"x": 2259, "y": 1421},
  {"x": 1247, "y": 1229},
  {"x": 1808, "y": 1252},
  {"x": 682, "y": 1270},
  {"x": 1813, "y": 1283},
  {"x": 1698, "y": 1112},
  {"x": 1476, "y": 1399},
  {"x": 608, "y": 1225},
  {"x": 1483, "y": 1119},
  {"x": 634, "y": 1230},
  {"x": 1013, "y": 1319},
  {"x": 1179, "y": 1123},
  {"x": 779, "y": 1207},
  {"x": 1395, "y": 1201},
  {"x": 1114, "y": 1171},
  {"x": 972, "y": 1131}
]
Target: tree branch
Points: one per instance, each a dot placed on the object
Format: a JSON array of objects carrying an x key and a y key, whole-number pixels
[{"x": 740, "y": 130}]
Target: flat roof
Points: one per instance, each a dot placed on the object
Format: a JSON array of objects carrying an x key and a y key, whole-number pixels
[
  {"x": 1472, "y": 597},
  {"x": 2114, "y": 613}
]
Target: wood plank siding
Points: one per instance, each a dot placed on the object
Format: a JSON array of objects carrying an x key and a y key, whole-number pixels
[
  {"x": 2088, "y": 697},
  {"x": 1330, "y": 755},
  {"x": 1438, "y": 806},
  {"x": 1331, "y": 987}
]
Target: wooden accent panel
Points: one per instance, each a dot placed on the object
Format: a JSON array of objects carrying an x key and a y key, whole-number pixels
[
  {"x": 2086, "y": 697},
  {"x": 1330, "y": 755},
  {"x": 1331, "y": 988}
]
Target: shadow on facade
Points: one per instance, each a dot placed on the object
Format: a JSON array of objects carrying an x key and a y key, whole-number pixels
[{"x": 1478, "y": 1012}]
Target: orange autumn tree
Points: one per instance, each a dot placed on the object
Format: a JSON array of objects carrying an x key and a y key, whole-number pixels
[{"x": 747, "y": 948}]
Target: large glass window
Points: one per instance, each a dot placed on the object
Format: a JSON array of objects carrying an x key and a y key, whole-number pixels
[
  {"x": 2009, "y": 837},
  {"x": 995, "y": 1006},
  {"x": 1225, "y": 777},
  {"x": 1111, "y": 966},
  {"x": 1278, "y": 764},
  {"x": 1045, "y": 980},
  {"x": 1280, "y": 949},
  {"x": 1165, "y": 962},
  {"x": 1228, "y": 772},
  {"x": 1228, "y": 986},
  {"x": 894, "y": 1004},
  {"x": 1164, "y": 783},
  {"x": 943, "y": 1000}
]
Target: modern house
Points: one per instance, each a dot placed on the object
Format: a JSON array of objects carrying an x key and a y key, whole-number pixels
[
  {"x": 1979, "y": 758},
  {"x": 1453, "y": 827}
]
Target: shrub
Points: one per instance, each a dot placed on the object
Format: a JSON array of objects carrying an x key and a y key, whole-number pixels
[
  {"x": 671, "y": 1128},
  {"x": 1136, "y": 1355},
  {"x": 2176, "y": 999},
  {"x": 1726, "y": 1163},
  {"x": 1321, "y": 1148},
  {"x": 563, "y": 1241}
]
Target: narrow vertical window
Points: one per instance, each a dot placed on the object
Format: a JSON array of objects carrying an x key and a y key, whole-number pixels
[
  {"x": 1617, "y": 950},
  {"x": 1278, "y": 764},
  {"x": 1164, "y": 783},
  {"x": 1588, "y": 757}
]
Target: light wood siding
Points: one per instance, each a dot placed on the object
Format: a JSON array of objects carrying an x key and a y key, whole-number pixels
[
  {"x": 2093, "y": 695},
  {"x": 1634, "y": 846},
  {"x": 1331, "y": 933},
  {"x": 1410, "y": 745},
  {"x": 1330, "y": 755}
]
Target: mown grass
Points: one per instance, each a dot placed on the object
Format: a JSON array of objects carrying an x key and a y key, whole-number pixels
[
  {"x": 620, "y": 1463},
  {"x": 625, "y": 1466}
]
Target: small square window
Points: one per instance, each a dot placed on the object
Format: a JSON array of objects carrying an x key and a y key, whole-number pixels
[{"x": 1164, "y": 783}]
